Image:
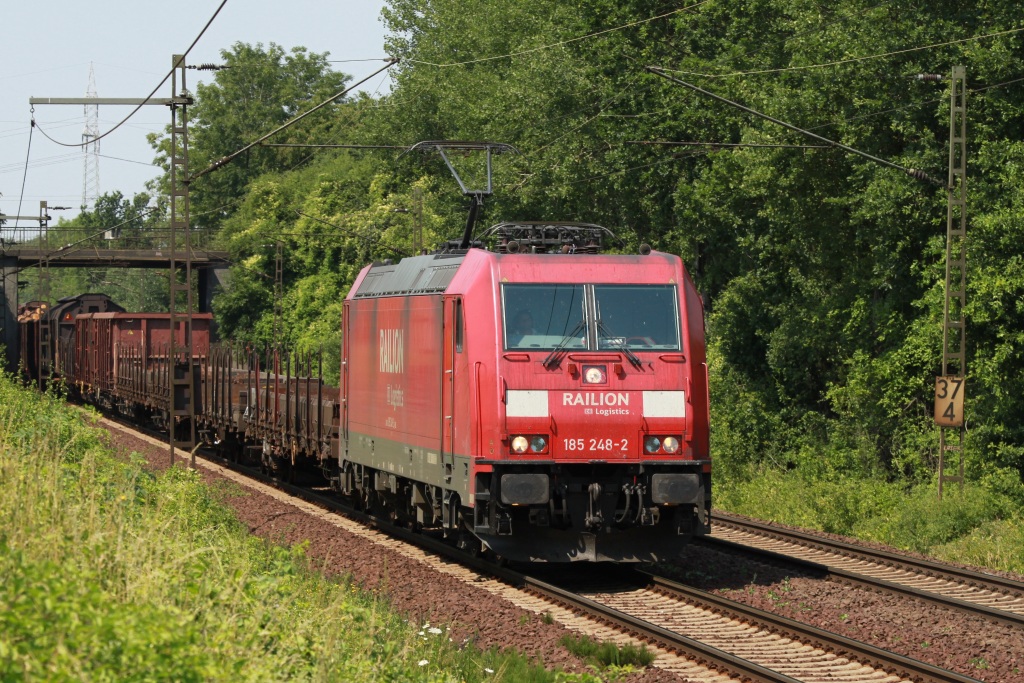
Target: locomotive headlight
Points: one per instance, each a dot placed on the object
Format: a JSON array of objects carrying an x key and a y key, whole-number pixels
[
  {"x": 520, "y": 444},
  {"x": 670, "y": 444},
  {"x": 538, "y": 444},
  {"x": 652, "y": 444}
]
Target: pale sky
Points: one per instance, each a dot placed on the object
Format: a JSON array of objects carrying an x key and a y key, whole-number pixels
[{"x": 48, "y": 46}]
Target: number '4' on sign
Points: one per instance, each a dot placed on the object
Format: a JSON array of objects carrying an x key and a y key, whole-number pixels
[{"x": 949, "y": 401}]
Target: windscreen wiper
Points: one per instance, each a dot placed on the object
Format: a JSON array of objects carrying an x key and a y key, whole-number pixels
[
  {"x": 555, "y": 357},
  {"x": 621, "y": 345}
]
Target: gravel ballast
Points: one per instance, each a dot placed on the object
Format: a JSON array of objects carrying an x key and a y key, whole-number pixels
[{"x": 942, "y": 637}]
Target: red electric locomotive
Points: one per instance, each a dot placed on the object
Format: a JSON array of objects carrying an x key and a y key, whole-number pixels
[{"x": 543, "y": 400}]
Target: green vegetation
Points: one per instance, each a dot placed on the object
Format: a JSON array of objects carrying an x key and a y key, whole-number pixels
[
  {"x": 111, "y": 574},
  {"x": 982, "y": 525},
  {"x": 608, "y": 655},
  {"x": 822, "y": 271}
]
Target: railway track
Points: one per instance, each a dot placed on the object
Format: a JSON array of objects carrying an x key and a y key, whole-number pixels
[
  {"x": 735, "y": 641},
  {"x": 782, "y": 649},
  {"x": 994, "y": 597}
]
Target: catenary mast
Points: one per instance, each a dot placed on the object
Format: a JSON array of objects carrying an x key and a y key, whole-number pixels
[{"x": 91, "y": 145}]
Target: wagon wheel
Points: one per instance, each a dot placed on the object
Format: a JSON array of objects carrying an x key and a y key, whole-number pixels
[
  {"x": 266, "y": 464},
  {"x": 236, "y": 450}
]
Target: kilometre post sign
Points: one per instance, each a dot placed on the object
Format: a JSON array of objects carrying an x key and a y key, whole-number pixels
[{"x": 949, "y": 401}]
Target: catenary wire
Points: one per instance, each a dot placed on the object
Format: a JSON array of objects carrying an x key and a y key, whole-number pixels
[
  {"x": 817, "y": 29},
  {"x": 287, "y": 124},
  {"x": 24, "y": 176},
  {"x": 915, "y": 105},
  {"x": 659, "y": 162},
  {"x": 847, "y": 61},
  {"x": 561, "y": 42},
  {"x": 148, "y": 97},
  {"x": 610, "y": 101},
  {"x": 912, "y": 172}
]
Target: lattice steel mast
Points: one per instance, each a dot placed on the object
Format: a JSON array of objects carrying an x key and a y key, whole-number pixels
[
  {"x": 181, "y": 386},
  {"x": 91, "y": 144}
]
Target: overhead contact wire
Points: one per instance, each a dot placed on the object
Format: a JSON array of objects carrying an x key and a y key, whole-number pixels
[
  {"x": 610, "y": 101},
  {"x": 148, "y": 97},
  {"x": 845, "y": 61},
  {"x": 24, "y": 177},
  {"x": 916, "y": 105},
  {"x": 223, "y": 161},
  {"x": 561, "y": 42},
  {"x": 912, "y": 172}
]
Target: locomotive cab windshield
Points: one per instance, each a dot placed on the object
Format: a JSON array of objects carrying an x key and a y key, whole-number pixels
[{"x": 543, "y": 317}]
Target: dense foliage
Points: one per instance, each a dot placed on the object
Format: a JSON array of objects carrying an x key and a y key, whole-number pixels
[{"x": 822, "y": 271}]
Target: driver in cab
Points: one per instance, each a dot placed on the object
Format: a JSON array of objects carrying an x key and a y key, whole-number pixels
[{"x": 522, "y": 326}]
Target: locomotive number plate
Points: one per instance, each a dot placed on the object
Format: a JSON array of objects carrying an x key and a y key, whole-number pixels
[{"x": 620, "y": 445}]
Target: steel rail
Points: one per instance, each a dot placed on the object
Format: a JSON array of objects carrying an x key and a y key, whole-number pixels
[
  {"x": 875, "y": 657},
  {"x": 928, "y": 567},
  {"x": 702, "y": 653},
  {"x": 862, "y": 581},
  {"x": 931, "y": 567}
]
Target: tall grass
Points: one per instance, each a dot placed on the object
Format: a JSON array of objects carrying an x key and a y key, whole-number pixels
[{"x": 112, "y": 574}]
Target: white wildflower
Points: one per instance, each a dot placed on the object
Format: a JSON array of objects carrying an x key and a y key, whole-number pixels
[
  {"x": 424, "y": 662},
  {"x": 434, "y": 630}
]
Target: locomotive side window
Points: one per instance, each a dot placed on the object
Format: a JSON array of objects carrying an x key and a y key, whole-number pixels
[
  {"x": 637, "y": 317},
  {"x": 458, "y": 326},
  {"x": 544, "y": 316}
]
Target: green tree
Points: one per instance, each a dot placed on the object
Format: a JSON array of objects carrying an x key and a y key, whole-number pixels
[
  {"x": 258, "y": 90},
  {"x": 821, "y": 271}
]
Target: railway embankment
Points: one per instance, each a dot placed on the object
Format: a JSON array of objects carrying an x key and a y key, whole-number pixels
[{"x": 115, "y": 570}]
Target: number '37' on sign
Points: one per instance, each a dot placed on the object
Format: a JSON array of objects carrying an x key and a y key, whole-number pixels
[{"x": 949, "y": 401}]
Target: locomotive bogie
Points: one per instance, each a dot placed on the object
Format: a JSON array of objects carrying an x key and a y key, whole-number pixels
[{"x": 591, "y": 512}]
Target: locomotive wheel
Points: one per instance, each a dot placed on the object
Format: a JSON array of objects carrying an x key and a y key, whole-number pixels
[{"x": 465, "y": 540}]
